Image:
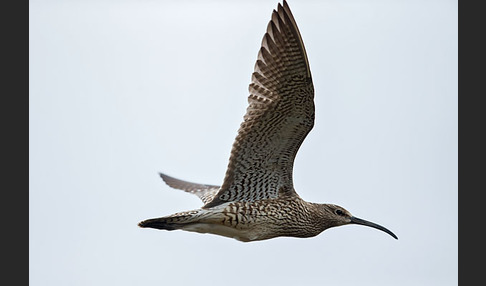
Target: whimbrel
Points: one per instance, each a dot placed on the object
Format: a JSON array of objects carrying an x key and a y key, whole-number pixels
[{"x": 257, "y": 200}]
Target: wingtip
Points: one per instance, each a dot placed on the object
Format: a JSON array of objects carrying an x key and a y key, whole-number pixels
[
  {"x": 285, "y": 4},
  {"x": 166, "y": 179},
  {"x": 164, "y": 176}
]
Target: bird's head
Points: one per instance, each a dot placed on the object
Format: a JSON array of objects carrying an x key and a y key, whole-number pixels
[{"x": 335, "y": 215}]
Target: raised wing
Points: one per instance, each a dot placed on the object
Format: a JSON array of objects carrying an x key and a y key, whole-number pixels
[
  {"x": 205, "y": 192},
  {"x": 279, "y": 116}
]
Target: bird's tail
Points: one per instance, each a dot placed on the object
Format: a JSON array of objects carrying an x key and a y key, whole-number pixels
[
  {"x": 158, "y": 223},
  {"x": 172, "y": 222}
]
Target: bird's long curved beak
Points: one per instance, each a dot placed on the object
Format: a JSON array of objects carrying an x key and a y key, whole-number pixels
[{"x": 356, "y": 220}]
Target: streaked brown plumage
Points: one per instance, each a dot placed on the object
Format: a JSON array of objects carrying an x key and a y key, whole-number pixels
[{"x": 257, "y": 199}]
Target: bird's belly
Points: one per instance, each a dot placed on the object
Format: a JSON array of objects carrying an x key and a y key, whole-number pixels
[{"x": 244, "y": 235}]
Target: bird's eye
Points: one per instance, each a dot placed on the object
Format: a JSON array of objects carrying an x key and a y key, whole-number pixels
[{"x": 339, "y": 212}]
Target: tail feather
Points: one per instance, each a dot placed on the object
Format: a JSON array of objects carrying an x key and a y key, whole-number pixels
[
  {"x": 174, "y": 221},
  {"x": 158, "y": 223}
]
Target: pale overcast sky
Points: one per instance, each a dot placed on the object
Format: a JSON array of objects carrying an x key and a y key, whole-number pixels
[{"x": 122, "y": 90}]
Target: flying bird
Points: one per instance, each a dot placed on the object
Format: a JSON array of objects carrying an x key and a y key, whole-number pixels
[{"x": 257, "y": 199}]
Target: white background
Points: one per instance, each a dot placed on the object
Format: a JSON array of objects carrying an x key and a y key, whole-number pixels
[{"x": 122, "y": 90}]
